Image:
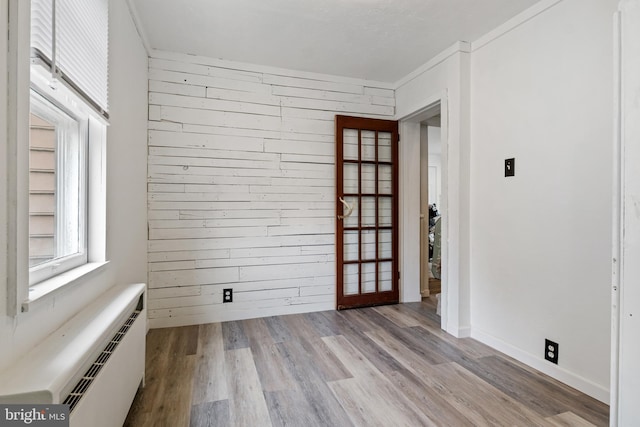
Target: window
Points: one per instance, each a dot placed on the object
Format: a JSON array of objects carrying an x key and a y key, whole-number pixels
[
  {"x": 57, "y": 189},
  {"x": 67, "y": 120}
]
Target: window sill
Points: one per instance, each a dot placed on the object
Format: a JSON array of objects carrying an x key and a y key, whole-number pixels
[{"x": 51, "y": 287}]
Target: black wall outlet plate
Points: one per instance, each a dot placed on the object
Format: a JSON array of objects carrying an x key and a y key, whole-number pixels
[
  {"x": 551, "y": 351},
  {"x": 510, "y": 167}
]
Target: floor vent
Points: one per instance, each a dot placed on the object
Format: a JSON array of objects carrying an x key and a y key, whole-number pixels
[{"x": 81, "y": 388}]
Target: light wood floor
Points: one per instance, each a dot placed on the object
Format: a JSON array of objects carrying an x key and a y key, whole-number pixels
[{"x": 385, "y": 366}]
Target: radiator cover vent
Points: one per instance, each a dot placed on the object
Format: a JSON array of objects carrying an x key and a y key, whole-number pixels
[{"x": 83, "y": 385}]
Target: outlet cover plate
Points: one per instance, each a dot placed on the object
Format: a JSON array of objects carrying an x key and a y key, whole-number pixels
[
  {"x": 551, "y": 351},
  {"x": 510, "y": 167}
]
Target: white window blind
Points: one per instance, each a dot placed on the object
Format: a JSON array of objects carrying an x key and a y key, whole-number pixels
[{"x": 71, "y": 37}]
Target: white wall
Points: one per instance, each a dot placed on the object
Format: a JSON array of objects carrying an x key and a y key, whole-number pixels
[
  {"x": 126, "y": 149},
  {"x": 242, "y": 186},
  {"x": 627, "y": 375},
  {"x": 126, "y": 192},
  {"x": 540, "y": 241}
]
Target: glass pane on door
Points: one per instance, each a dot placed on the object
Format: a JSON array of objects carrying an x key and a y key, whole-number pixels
[
  {"x": 384, "y": 276},
  {"x": 351, "y": 279},
  {"x": 368, "y": 145},
  {"x": 368, "y": 277},
  {"x": 351, "y": 246},
  {"x": 350, "y": 144},
  {"x": 368, "y": 244},
  {"x": 385, "y": 211},
  {"x": 384, "y": 147},
  {"x": 350, "y": 180},
  {"x": 368, "y": 216},
  {"x": 368, "y": 179}
]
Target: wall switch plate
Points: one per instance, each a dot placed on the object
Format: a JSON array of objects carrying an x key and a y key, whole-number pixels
[
  {"x": 227, "y": 295},
  {"x": 551, "y": 351},
  {"x": 510, "y": 167}
]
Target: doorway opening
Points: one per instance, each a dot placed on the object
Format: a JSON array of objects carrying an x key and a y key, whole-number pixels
[
  {"x": 414, "y": 196},
  {"x": 431, "y": 209}
]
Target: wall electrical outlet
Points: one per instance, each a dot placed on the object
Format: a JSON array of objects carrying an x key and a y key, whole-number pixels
[
  {"x": 551, "y": 351},
  {"x": 227, "y": 295}
]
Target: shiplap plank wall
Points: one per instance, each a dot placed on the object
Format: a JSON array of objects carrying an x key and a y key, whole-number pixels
[{"x": 241, "y": 187}]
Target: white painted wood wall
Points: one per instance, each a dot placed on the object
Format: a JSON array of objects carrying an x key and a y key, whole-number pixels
[{"x": 241, "y": 186}]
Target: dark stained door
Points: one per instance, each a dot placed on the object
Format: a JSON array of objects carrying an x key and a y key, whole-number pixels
[{"x": 367, "y": 212}]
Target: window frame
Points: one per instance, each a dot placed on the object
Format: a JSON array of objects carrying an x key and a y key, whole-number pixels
[
  {"x": 20, "y": 297},
  {"x": 50, "y": 110}
]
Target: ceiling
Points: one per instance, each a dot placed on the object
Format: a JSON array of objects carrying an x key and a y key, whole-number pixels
[{"x": 381, "y": 40}]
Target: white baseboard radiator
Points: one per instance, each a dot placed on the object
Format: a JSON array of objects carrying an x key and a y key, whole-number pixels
[{"x": 94, "y": 362}]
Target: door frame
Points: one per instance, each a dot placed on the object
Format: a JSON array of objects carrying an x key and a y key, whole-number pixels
[{"x": 409, "y": 199}]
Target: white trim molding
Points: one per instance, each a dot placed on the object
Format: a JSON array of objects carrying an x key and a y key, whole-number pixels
[
  {"x": 457, "y": 47},
  {"x": 625, "y": 370}
]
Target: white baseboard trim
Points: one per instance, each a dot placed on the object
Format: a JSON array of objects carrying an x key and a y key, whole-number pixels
[
  {"x": 582, "y": 384},
  {"x": 464, "y": 332},
  {"x": 460, "y": 332}
]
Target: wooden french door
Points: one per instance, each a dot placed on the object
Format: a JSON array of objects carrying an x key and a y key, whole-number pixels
[{"x": 367, "y": 212}]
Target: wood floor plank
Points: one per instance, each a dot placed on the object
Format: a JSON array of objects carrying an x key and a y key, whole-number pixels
[
  {"x": 551, "y": 398},
  {"x": 247, "y": 406},
  {"x": 414, "y": 357},
  {"x": 257, "y": 332},
  {"x": 322, "y": 401},
  {"x": 336, "y": 322},
  {"x": 156, "y": 360},
  {"x": 401, "y": 318},
  {"x": 459, "y": 393},
  {"x": 271, "y": 368},
  {"x": 445, "y": 350},
  {"x": 357, "y": 321},
  {"x": 234, "y": 336},
  {"x": 210, "y": 414},
  {"x": 376, "y": 318},
  {"x": 322, "y": 325},
  {"x": 468, "y": 346},
  {"x": 426, "y": 309},
  {"x": 370, "y": 398},
  {"x": 325, "y": 363},
  {"x": 374, "y": 403},
  {"x": 209, "y": 383},
  {"x": 370, "y": 366},
  {"x": 353, "y": 360},
  {"x": 478, "y": 400},
  {"x": 376, "y": 355},
  {"x": 192, "y": 333},
  {"x": 278, "y": 328},
  {"x": 568, "y": 419},
  {"x": 291, "y": 408},
  {"x": 174, "y": 409},
  {"x": 210, "y": 339},
  {"x": 299, "y": 326},
  {"x": 428, "y": 400},
  {"x": 381, "y": 359}
]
